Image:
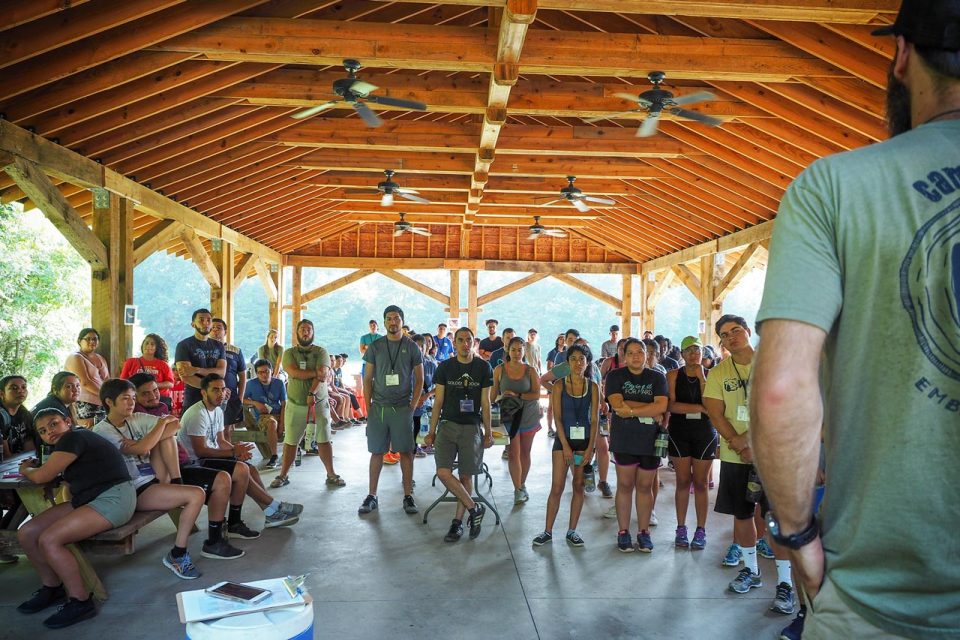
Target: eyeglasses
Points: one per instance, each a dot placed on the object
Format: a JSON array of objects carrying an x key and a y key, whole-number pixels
[{"x": 91, "y": 339}]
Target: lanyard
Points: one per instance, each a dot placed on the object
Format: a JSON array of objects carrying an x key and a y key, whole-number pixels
[
  {"x": 130, "y": 431},
  {"x": 743, "y": 384},
  {"x": 393, "y": 357},
  {"x": 578, "y": 401}
]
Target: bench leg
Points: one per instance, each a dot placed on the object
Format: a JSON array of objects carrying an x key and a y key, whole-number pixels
[{"x": 175, "y": 517}]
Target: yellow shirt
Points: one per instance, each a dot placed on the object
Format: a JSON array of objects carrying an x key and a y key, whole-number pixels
[{"x": 728, "y": 383}]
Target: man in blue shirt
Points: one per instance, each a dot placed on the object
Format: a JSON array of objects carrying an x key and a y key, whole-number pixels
[
  {"x": 444, "y": 345},
  {"x": 267, "y": 398}
]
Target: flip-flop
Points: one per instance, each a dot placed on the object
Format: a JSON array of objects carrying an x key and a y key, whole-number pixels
[{"x": 336, "y": 481}]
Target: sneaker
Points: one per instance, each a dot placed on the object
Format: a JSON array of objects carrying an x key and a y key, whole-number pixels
[
  {"x": 221, "y": 550},
  {"x": 369, "y": 504},
  {"x": 505, "y": 455},
  {"x": 312, "y": 450},
  {"x": 624, "y": 542},
  {"x": 419, "y": 453},
  {"x": 71, "y": 612},
  {"x": 653, "y": 519},
  {"x": 272, "y": 463},
  {"x": 611, "y": 513},
  {"x": 794, "y": 630},
  {"x": 519, "y": 497},
  {"x": 734, "y": 556},
  {"x": 745, "y": 581},
  {"x": 43, "y": 598},
  {"x": 475, "y": 520},
  {"x": 182, "y": 567},
  {"x": 699, "y": 539},
  {"x": 605, "y": 490},
  {"x": 279, "y": 519},
  {"x": 409, "y": 506},
  {"x": 543, "y": 539},
  {"x": 785, "y": 601},
  {"x": 551, "y": 433},
  {"x": 764, "y": 550},
  {"x": 681, "y": 539},
  {"x": 291, "y": 508},
  {"x": 242, "y": 531},
  {"x": 427, "y": 449},
  {"x": 574, "y": 539},
  {"x": 455, "y": 532},
  {"x": 391, "y": 458},
  {"x": 279, "y": 481},
  {"x": 644, "y": 543}
]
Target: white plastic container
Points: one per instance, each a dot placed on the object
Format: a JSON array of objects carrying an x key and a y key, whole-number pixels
[{"x": 289, "y": 623}]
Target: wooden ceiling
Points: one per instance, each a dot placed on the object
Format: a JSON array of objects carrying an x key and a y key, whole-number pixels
[{"x": 194, "y": 98}]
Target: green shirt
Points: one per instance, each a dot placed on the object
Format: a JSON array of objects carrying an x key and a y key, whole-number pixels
[
  {"x": 304, "y": 358},
  {"x": 726, "y": 382},
  {"x": 867, "y": 247}
]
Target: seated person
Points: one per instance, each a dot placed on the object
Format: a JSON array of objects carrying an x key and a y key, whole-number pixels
[
  {"x": 338, "y": 361},
  {"x": 64, "y": 393},
  {"x": 266, "y": 397},
  {"x": 203, "y": 438},
  {"x": 103, "y": 498},
  {"x": 16, "y": 423},
  {"x": 150, "y": 454},
  {"x": 215, "y": 484},
  {"x": 339, "y": 401}
]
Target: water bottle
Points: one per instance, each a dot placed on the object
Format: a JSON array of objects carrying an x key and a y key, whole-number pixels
[
  {"x": 660, "y": 444},
  {"x": 299, "y": 459},
  {"x": 589, "y": 480}
]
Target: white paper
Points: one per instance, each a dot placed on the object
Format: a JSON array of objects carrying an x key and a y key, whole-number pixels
[{"x": 198, "y": 605}]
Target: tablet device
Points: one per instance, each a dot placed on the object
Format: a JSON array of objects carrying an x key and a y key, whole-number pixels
[{"x": 238, "y": 592}]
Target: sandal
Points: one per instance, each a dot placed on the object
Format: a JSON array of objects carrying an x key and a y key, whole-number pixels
[
  {"x": 279, "y": 481},
  {"x": 336, "y": 481}
]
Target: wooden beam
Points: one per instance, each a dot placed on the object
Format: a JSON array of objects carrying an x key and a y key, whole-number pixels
[
  {"x": 333, "y": 262},
  {"x": 276, "y": 307},
  {"x": 588, "y": 289},
  {"x": 112, "y": 286},
  {"x": 454, "y": 293},
  {"x": 506, "y": 290},
  {"x": 242, "y": 269},
  {"x": 263, "y": 271},
  {"x": 742, "y": 266},
  {"x": 158, "y": 237},
  {"x": 660, "y": 287},
  {"x": 736, "y": 240},
  {"x": 416, "y": 286},
  {"x": 222, "y": 297},
  {"x": 472, "y": 306},
  {"x": 200, "y": 257},
  {"x": 688, "y": 278},
  {"x": 296, "y": 301},
  {"x": 46, "y": 197},
  {"x": 626, "y": 305},
  {"x": 710, "y": 308},
  {"x": 333, "y": 285}
]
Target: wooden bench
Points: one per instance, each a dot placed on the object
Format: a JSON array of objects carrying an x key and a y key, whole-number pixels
[
  {"x": 243, "y": 433},
  {"x": 121, "y": 539}
]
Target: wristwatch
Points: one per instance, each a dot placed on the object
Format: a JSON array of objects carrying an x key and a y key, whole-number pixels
[{"x": 796, "y": 540}]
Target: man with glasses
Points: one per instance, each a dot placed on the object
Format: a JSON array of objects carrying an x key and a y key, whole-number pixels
[{"x": 198, "y": 356}]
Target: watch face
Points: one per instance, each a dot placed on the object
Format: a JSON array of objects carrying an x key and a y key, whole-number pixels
[{"x": 772, "y": 525}]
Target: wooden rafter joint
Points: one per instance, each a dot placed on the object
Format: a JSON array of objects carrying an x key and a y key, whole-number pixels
[
  {"x": 506, "y": 73},
  {"x": 521, "y": 11},
  {"x": 495, "y": 115}
]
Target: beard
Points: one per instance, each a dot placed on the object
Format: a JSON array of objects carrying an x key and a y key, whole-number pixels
[
  {"x": 304, "y": 342},
  {"x": 898, "y": 105},
  {"x": 203, "y": 332}
]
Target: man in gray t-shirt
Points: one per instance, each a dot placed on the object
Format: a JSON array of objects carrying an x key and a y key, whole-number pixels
[{"x": 392, "y": 384}]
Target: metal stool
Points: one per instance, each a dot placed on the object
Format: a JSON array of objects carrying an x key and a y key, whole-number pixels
[{"x": 478, "y": 497}]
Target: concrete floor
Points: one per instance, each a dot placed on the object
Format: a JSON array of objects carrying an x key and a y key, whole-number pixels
[{"x": 386, "y": 575}]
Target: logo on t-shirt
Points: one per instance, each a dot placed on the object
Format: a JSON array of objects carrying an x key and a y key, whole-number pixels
[
  {"x": 464, "y": 382},
  {"x": 637, "y": 390}
]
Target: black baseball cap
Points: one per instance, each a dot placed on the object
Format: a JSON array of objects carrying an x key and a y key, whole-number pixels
[{"x": 933, "y": 24}]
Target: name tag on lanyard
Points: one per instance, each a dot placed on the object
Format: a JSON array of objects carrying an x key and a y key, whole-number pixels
[{"x": 578, "y": 433}]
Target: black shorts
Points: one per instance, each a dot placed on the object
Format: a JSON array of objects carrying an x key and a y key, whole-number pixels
[
  {"x": 146, "y": 486},
  {"x": 696, "y": 443},
  {"x": 233, "y": 412},
  {"x": 197, "y": 476},
  {"x": 575, "y": 445},
  {"x": 732, "y": 492},
  {"x": 647, "y": 463},
  {"x": 220, "y": 464}
]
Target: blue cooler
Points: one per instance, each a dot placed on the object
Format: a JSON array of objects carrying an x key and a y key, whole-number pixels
[{"x": 288, "y": 623}]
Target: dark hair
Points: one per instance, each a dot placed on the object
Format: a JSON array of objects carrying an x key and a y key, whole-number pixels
[
  {"x": 5, "y": 380},
  {"x": 674, "y": 353},
  {"x": 207, "y": 379},
  {"x": 198, "y": 312},
  {"x": 85, "y": 331},
  {"x": 162, "y": 353},
  {"x": 418, "y": 338},
  {"x": 304, "y": 321},
  {"x": 559, "y": 341},
  {"x": 506, "y": 351},
  {"x": 48, "y": 411},
  {"x": 944, "y": 63},
  {"x": 729, "y": 317},
  {"x": 221, "y": 321},
  {"x": 580, "y": 348},
  {"x": 112, "y": 388},
  {"x": 489, "y": 320},
  {"x": 510, "y": 330},
  {"x": 142, "y": 378},
  {"x": 262, "y": 362},
  {"x": 56, "y": 383},
  {"x": 576, "y": 334},
  {"x": 632, "y": 341},
  {"x": 621, "y": 341},
  {"x": 442, "y": 324},
  {"x": 650, "y": 343},
  {"x": 372, "y": 321},
  {"x": 393, "y": 309},
  {"x": 468, "y": 330}
]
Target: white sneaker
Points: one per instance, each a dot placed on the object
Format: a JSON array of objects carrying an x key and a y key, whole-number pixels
[
  {"x": 611, "y": 513},
  {"x": 653, "y": 519}
]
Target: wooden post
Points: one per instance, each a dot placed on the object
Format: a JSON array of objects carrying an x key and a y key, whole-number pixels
[
  {"x": 112, "y": 287},
  {"x": 472, "y": 300},
  {"x": 710, "y": 309},
  {"x": 221, "y": 298},
  {"x": 626, "y": 302},
  {"x": 454, "y": 293},
  {"x": 276, "y": 306},
  {"x": 297, "y": 310}
]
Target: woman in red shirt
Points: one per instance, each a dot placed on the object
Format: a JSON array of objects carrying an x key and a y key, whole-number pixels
[{"x": 153, "y": 361}]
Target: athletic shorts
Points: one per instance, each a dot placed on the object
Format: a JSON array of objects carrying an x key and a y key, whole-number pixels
[
  {"x": 295, "y": 423},
  {"x": 233, "y": 411},
  {"x": 460, "y": 442},
  {"x": 203, "y": 477},
  {"x": 732, "y": 492},
  {"x": 575, "y": 445},
  {"x": 390, "y": 426},
  {"x": 647, "y": 463},
  {"x": 699, "y": 444},
  {"x": 116, "y": 504}
]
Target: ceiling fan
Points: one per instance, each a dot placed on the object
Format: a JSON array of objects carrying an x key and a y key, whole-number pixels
[
  {"x": 402, "y": 226},
  {"x": 388, "y": 189},
  {"x": 537, "y": 230},
  {"x": 352, "y": 89},
  {"x": 575, "y": 197},
  {"x": 655, "y": 101}
]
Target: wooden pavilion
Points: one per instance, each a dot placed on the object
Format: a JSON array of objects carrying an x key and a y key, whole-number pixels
[{"x": 165, "y": 125}]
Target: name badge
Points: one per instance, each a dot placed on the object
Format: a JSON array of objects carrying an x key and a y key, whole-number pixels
[
  {"x": 145, "y": 469},
  {"x": 303, "y": 364},
  {"x": 578, "y": 433},
  {"x": 694, "y": 416},
  {"x": 743, "y": 413},
  {"x": 466, "y": 405},
  {"x": 392, "y": 379},
  {"x": 645, "y": 420}
]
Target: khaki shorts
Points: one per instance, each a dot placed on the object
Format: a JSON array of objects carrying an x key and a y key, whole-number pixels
[
  {"x": 258, "y": 424},
  {"x": 461, "y": 442},
  {"x": 829, "y": 617},
  {"x": 295, "y": 423},
  {"x": 116, "y": 504}
]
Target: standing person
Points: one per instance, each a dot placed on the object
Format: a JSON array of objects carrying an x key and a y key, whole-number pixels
[
  {"x": 569, "y": 339},
  {"x": 267, "y": 397},
  {"x": 426, "y": 398},
  {"x": 663, "y": 355},
  {"x": 531, "y": 352},
  {"x": 693, "y": 441},
  {"x": 443, "y": 343},
  {"x": 492, "y": 342},
  {"x": 306, "y": 367},
  {"x": 875, "y": 230},
  {"x": 609, "y": 348},
  {"x": 103, "y": 497},
  {"x": 461, "y": 429},
  {"x": 16, "y": 423},
  {"x": 92, "y": 370},
  {"x": 577, "y": 402},
  {"x": 235, "y": 376},
  {"x": 392, "y": 385},
  {"x": 152, "y": 360},
  {"x": 516, "y": 387},
  {"x": 369, "y": 338},
  {"x": 271, "y": 351},
  {"x": 638, "y": 396},
  {"x": 500, "y": 355},
  {"x": 558, "y": 346},
  {"x": 198, "y": 356}
]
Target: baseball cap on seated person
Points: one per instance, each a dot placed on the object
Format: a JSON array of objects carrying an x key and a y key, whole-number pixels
[
  {"x": 690, "y": 341},
  {"x": 933, "y": 24}
]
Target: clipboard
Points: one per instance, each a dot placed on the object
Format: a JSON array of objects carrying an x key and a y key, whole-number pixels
[{"x": 197, "y": 605}]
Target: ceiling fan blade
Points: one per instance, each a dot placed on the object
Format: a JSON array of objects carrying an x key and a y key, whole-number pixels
[
  {"x": 533, "y": 236},
  {"x": 397, "y": 102},
  {"x": 580, "y": 206},
  {"x": 362, "y": 88},
  {"x": 555, "y": 233},
  {"x": 696, "y": 115},
  {"x": 386, "y": 200},
  {"x": 398, "y": 232},
  {"x": 627, "y": 96},
  {"x": 544, "y": 202},
  {"x": 419, "y": 231},
  {"x": 598, "y": 200},
  {"x": 366, "y": 114},
  {"x": 649, "y": 126},
  {"x": 405, "y": 190},
  {"x": 410, "y": 196},
  {"x": 365, "y": 192},
  {"x": 306, "y": 113},
  {"x": 690, "y": 98}
]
